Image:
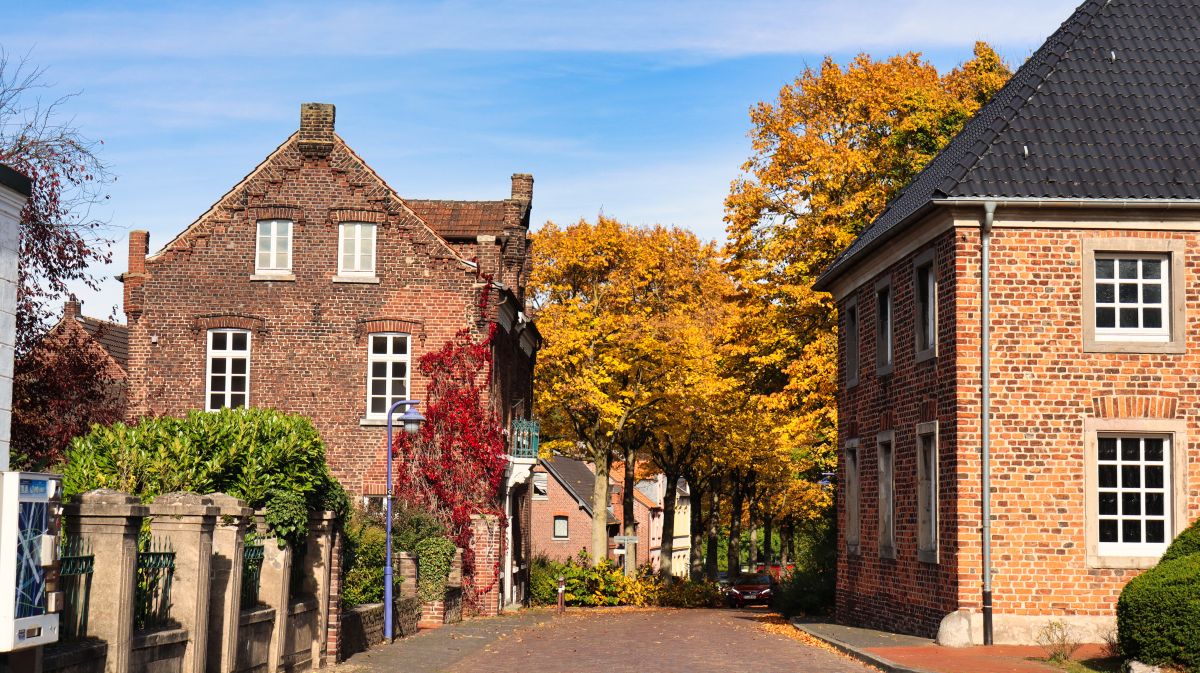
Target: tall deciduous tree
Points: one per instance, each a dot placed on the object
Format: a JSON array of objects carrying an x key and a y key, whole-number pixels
[
  {"x": 827, "y": 157},
  {"x": 59, "y": 235}
]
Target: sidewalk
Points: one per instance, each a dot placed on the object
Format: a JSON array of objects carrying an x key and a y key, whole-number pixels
[{"x": 897, "y": 653}]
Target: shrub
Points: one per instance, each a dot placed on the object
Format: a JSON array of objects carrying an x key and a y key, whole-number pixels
[
  {"x": 434, "y": 556},
  {"x": 267, "y": 458},
  {"x": 365, "y": 557},
  {"x": 1158, "y": 614},
  {"x": 810, "y": 587},
  {"x": 1185, "y": 544},
  {"x": 410, "y": 526},
  {"x": 1058, "y": 641},
  {"x": 682, "y": 593},
  {"x": 606, "y": 584},
  {"x": 543, "y": 581}
]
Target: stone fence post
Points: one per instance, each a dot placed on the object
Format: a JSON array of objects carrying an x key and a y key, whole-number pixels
[
  {"x": 110, "y": 522},
  {"x": 316, "y": 565},
  {"x": 406, "y": 564},
  {"x": 185, "y": 521},
  {"x": 229, "y": 535},
  {"x": 273, "y": 591}
]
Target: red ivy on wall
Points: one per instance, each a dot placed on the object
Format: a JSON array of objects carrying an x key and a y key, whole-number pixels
[{"x": 454, "y": 467}]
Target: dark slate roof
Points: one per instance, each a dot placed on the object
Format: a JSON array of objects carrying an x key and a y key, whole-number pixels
[
  {"x": 15, "y": 181},
  {"x": 1105, "y": 109},
  {"x": 577, "y": 478},
  {"x": 113, "y": 338},
  {"x": 461, "y": 219}
]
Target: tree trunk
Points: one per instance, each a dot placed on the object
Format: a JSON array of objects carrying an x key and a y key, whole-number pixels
[
  {"x": 667, "y": 548},
  {"x": 733, "y": 550},
  {"x": 697, "y": 531},
  {"x": 785, "y": 543},
  {"x": 713, "y": 534},
  {"x": 627, "y": 515},
  {"x": 600, "y": 510},
  {"x": 768, "y": 543},
  {"x": 755, "y": 559}
]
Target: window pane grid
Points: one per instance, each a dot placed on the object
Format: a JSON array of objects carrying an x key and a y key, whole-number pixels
[
  {"x": 1131, "y": 296},
  {"x": 357, "y": 248},
  {"x": 1133, "y": 497},
  {"x": 388, "y": 373},
  {"x": 274, "y": 247},
  {"x": 228, "y": 375}
]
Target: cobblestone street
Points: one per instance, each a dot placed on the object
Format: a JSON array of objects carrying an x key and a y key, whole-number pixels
[{"x": 605, "y": 641}]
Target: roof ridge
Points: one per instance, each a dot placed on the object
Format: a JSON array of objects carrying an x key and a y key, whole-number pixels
[{"x": 492, "y": 201}]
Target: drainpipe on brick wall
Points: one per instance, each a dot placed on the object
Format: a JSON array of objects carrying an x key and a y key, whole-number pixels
[{"x": 989, "y": 214}]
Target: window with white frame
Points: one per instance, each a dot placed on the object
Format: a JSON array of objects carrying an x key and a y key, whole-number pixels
[
  {"x": 356, "y": 249},
  {"x": 883, "y": 329},
  {"x": 387, "y": 372},
  {"x": 887, "y": 495},
  {"x": 540, "y": 483},
  {"x": 560, "y": 528},
  {"x": 851, "y": 344},
  {"x": 1132, "y": 297},
  {"x": 228, "y": 371},
  {"x": 273, "y": 252},
  {"x": 1133, "y": 491},
  {"x": 925, "y": 291},
  {"x": 853, "y": 497},
  {"x": 927, "y": 493}
]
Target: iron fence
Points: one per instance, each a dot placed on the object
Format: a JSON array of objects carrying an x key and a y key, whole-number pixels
[
  {"x": 524, "y": 438},
  {"x": 76, "y": 564},
  {"x": 252, "y": 560},
  {"x": 152, "y": 597}
]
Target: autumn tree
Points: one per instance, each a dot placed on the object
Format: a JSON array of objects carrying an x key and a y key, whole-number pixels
[
  {"x": 59, "y": 235},
  {"x": 828, "y": 155}
]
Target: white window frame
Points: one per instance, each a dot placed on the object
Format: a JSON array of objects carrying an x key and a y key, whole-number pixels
[
  {"x": 227, "y": 356},
  {"x": 885, "y": 327},
  {"x": 853, "y": 342},
  {"x": 885, "y": 492},
  {"x": 1169, "y": 338},
  {"x": 387, "y": 359},
  {"x": 357, "y": 270},
  {"x": 280, "y": 261},
  {"x": 542, "y": 479},
  {"x": 566, "y": 521},
  {"x": 1175, "y": 468},
  {"x": 927, "y": 492},
  {"x": 853, "y": 497},
  {"x": 925, "y": 330},
  {"x": 1160, "y": 334}
]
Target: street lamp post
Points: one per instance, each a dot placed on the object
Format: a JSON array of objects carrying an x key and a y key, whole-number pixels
[{"x": 412, "y": 420}]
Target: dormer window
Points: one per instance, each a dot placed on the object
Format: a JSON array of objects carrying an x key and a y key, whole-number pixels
[
  {"x": 273, "y": 252},
  {"x": 356, "y": 249}
]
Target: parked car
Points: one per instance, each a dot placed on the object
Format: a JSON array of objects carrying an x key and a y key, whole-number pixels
[{"x": 750, "y": 589}]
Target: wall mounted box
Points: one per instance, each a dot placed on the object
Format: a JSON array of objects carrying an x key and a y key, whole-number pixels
[{"x": 28, "y": 506}]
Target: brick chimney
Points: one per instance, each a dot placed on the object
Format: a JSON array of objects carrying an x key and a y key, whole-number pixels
[
  {"x": 522, "y": 187},
  {"x": 139, "y": 247},
  {"x": 71, "y": 308},
  {"x": 316, "y": 129}
]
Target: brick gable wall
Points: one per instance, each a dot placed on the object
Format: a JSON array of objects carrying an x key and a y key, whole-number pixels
[{"x": 541, "y": 522}]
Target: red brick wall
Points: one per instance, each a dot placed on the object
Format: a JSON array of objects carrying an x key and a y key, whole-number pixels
[
  {"x": 309, "y": 346},
  {"x": 487, "y": 543},
  {"x": 541, "y": 523}
]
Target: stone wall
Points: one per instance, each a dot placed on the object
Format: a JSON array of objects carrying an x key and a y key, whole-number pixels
[
  {"x": 255, "y": 626},
  {"x": 159, "y": 651},
  {"x": 79, "y": 656}
]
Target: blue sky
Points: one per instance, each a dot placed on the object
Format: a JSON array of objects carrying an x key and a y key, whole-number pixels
[{"x": 638, "y": 109}]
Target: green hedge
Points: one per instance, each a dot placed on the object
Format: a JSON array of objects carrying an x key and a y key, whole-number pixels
[
  {"x": 265, "y": 457},
  {"x": 364, "y": 558},
  {"x": 1158, "y": 614},
  {"x": 434, "y": 556},
  {"x": 1185, "y": 544}
]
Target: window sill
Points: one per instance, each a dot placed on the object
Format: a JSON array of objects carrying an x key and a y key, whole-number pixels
[
  {"x": 887, "y": 552},
  {"x": 926, "y": 355},
  {"x": 366, "y": 280},
  {"x": 280, "y": 277},
  {"x": 1122, "y": 562},
  {"x": 927, "y": 556},
  {"x": 1112, "y": 346},
  {"x": 378, "y": 423},
  {"x": 852, "y": 548},
  {"x": 885, "y": 370}
]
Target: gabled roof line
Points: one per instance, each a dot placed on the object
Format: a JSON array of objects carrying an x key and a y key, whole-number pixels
[{"x": 583, "y": 502}]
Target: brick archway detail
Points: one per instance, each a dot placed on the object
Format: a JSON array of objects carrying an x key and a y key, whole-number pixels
[{"x": 1134, "y": 406}]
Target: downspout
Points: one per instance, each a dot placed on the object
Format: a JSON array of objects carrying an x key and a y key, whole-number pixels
[{"x": 989, "y": 214}]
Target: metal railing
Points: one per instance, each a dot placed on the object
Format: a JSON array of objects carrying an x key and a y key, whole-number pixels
[
  {"x": 152, "y": 596},
  {"x": 524, "y": 438},
  {"x": 76, "y": 564},
  {"x": 252, "y": 561}
]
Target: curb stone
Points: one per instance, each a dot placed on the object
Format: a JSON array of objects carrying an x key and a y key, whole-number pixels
[{"x": 862, "y": 655}]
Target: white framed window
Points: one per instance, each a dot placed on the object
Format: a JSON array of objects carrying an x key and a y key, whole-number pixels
[
  {"x": 273, "y": 251},
  {"x": 540, "y": 484},
  {"x": 925, "y": 293},
  {"x": 883, "y": 328},
  {"x": 561, "y": 530},
  {"x": 227, "y": 374},
  {"x": 927, "y": 492},
  {"x": 852, "y": 343},
  {"x": 885, "y": 473},
  {"x": 387, "y": 372},
  {"x": 1133, "y": 494},
  {"x": 356, "y": 249},
  {"x": 1132, "y": 297},
  {"x": 853, "y": 497}
]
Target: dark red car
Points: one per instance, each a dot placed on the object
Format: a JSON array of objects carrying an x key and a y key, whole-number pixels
[{"x": 750, "y": 589}]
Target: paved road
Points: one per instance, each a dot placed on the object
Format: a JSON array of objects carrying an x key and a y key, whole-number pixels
[{"x": 615, "y": 640}]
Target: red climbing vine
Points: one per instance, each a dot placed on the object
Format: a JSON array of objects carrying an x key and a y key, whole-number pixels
[{"x": 454, "y": 467}]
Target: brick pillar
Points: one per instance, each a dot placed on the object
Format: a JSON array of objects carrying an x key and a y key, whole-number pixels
[
  {"x": 186, "y": 521},
  {"x": 406, "y": 564},
  {"x": 333, "y": 632},
  {"x": 522, "y": 187},
  {"x": 226, "y": 580},
  {"x": 273, "y": 590},
  {"x": 139, "y": 247},
  {"x": 110, "y": 521},
  {"x": 487, "y": 547},
  {"x": 316, "y": 129},
  {"x": 317, "y": 563}
]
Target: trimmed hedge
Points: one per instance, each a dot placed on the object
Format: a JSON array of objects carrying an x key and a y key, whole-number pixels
[
  {"x": 1186, "y": 544},
  {"x": 1158, "y": 614}
]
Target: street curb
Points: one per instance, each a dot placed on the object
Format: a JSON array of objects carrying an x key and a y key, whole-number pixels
[{"x": 862, "y": 655}]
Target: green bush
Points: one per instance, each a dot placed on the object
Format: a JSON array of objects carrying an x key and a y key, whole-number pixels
[
  {"x": 810, "y": 587},
  {"x": 683, "y": 593},
  {"x": 364, "y": 558},
  {"x": 265, "y": 457},
  {"x": 1185, "y": 544},
  {"x": 1158, "y": 614},
  {"x": 434, "y": 556},
  {"x": 543, "y": 581},
  {"x": 606, "y": 584},
  {"x": 410, "y": 526}
]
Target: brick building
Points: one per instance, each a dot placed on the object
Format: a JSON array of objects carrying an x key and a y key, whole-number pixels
[
  {"x": 1075, "y": 193},
  {"x": 314, "y": 288},
  {"x": 561, "y": 509}
]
